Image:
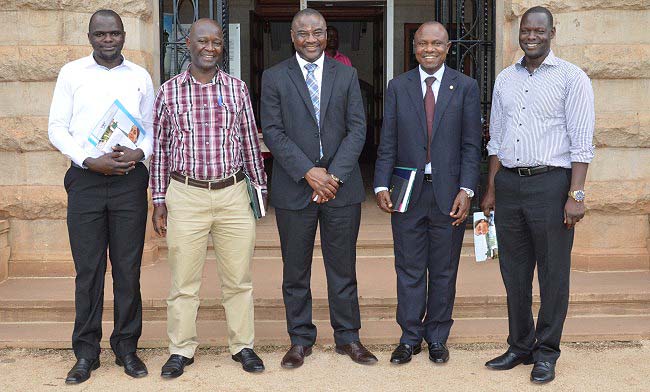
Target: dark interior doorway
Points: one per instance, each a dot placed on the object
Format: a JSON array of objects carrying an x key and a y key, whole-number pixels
[{"x": 360, "y": 38}]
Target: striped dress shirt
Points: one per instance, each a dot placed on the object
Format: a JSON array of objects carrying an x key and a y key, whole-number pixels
[
  {"x": 204, "y": 131},
  {"x": 543, "y": 118}
]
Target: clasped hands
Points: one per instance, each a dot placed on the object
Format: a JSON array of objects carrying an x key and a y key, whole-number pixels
[
  {"x": 117, "y": 163},
  {"x": 324, "y": 186}
]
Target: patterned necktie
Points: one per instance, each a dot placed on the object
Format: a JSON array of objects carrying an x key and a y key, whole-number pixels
[
  {"x": 429, "y": 108},
  {"x": 314, "y": 94}
]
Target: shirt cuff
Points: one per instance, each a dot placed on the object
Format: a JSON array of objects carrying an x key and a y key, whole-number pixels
[
  {"x": 79, "y": 159},
  {"x": 380, "y": 188}
]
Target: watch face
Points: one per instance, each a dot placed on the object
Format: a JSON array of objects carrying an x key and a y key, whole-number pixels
[{"x": 579, "y": 195}]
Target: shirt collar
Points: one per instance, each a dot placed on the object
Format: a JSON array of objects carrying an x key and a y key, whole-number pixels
[
  {"x": 218, "y": 78},
  {"x": 438, "y": 74},
  {"x": 90, "y": 61},
  {"x": 302, "y": 62},
  {"x": 549, "y": 60}
]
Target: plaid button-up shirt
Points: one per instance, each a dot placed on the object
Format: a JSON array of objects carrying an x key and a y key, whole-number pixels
[{"x": 204, "y": 131}]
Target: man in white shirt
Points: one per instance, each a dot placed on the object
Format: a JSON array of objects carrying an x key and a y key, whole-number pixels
[
  {"x": 432, "y": 123},
  {"x": 107, "y": 193}
]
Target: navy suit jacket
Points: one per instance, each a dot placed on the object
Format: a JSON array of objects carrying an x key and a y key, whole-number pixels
[
  {"x": 455, "y": 142},
  {"x": 291, "y": 132}
]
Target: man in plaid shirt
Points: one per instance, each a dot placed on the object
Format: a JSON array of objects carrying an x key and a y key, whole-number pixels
[{"x": 205, "y": 142}]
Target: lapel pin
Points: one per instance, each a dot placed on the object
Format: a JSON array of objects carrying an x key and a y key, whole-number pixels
[{"x": 451, "y": 87}]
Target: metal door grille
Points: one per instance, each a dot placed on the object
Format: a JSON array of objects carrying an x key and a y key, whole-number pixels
[{"x": 176, "y": 16}]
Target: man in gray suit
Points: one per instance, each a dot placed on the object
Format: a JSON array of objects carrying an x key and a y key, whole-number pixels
[{"x": 313, "y": 124}]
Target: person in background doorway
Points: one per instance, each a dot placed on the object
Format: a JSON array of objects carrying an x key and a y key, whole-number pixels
[{"x": 332, "y": 48}]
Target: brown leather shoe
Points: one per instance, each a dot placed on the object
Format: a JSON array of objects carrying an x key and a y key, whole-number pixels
[
  {"x": 295, "y": 357},
  {"x": 357, "y": 352}
]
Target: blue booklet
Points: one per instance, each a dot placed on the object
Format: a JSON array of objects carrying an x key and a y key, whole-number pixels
[{"x": 401, "y": 186}]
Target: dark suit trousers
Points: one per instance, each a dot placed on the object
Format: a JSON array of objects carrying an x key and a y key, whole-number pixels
[
  {"x": 529, "y": 215},
  {"x": 339, "y": 228},
  {"x": 427, "y": 251},
  {"x": 107, "y": 212}
]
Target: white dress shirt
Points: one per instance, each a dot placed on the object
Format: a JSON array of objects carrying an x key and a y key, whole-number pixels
[
  {"x": 84, "y": 91},
  {"x": 435, "y": 87}
]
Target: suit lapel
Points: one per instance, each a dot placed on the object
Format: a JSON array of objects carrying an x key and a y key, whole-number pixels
[
  {"x": 414, "y": 89},
  {"x": 447, "y": 88},
  {"x": 295, "y": 74},
  {"x": 329, "y": 74}
]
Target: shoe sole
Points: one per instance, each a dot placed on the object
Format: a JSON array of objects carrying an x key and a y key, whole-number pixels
[
  {"x": 94, "y": 367},
  {"x": 445, "y": 360},
  {"x": 307, "y": 353},
  {"x": 180, "y": 373},
  {"x": 541, "y": 381},
  {"x": 525, "y": 362},
  {"x": 371, "y": 362}
]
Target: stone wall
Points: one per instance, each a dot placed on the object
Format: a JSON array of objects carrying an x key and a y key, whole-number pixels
[
  {"x": 608, "y": 39},
  {"x": 5, "y": 250},
  {"x": 39, "y": 37}
]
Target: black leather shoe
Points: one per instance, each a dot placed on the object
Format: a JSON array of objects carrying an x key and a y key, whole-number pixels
[
  {"x": 175, "y": 365},
  {"x": 250, "y": 362},
  {"x": 508, "y": 360},
  {"x": 133, "y": 366},
  {"x": 438, "y": 353},
  {"x": 81, "y": 370},
  {"x": 404, "y": 352},
  {"x": 542, "y": 372}
]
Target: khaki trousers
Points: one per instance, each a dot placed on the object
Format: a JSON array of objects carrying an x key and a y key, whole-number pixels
[{"x": 193, "y": 214}]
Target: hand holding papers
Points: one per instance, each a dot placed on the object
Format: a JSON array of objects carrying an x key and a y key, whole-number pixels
[
  {"x": 116, "y": 127},
  {"x": 485, "y": 237}
]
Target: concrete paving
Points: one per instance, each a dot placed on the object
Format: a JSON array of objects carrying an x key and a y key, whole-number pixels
[{"x": 582, "y": 367}]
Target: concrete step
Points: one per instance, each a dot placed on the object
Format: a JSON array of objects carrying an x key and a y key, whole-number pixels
[
  {"x": 480, "y": 293},
  {"x": 213, "y": 333}
]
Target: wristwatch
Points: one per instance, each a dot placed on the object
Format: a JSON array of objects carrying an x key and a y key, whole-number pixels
[
  {"x": 469, "y": 192},
  {"x": 578, "y": 195}
]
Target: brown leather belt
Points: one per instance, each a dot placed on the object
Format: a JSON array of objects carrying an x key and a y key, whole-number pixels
[{"x": 210, "y": 185}]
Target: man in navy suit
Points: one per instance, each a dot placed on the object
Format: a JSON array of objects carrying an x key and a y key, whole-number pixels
[{"x": 432, "y": 122}]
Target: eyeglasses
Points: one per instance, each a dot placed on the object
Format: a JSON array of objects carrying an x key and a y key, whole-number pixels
[{"x": 303, "y": 35}]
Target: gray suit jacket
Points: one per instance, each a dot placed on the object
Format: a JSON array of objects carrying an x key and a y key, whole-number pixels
[
  {"x": 455, "y": 142},
  {"x": 291, "y": 132}
]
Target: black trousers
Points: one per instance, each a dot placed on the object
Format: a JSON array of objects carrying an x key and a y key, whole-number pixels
[
  {"x": 339, "y": 229},
  {"x": 107, "y": 212},
  {"x": 427, "y": 252},
  {"x": 529, "y": 214}
]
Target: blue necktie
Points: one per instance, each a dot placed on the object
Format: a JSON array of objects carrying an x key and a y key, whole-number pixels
[{"x": 312, "y": 85}]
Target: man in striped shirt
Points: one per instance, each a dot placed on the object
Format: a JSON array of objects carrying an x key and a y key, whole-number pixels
[
  {"x": 541, "y": 129},
  {"x": 205, "y": 142}
]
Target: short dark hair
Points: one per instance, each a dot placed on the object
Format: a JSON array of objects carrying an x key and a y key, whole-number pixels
[
  {"x": 539, "y": 10},
  {"x": 105, "y": 13},
  {"x": 305, "y": 12}
]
